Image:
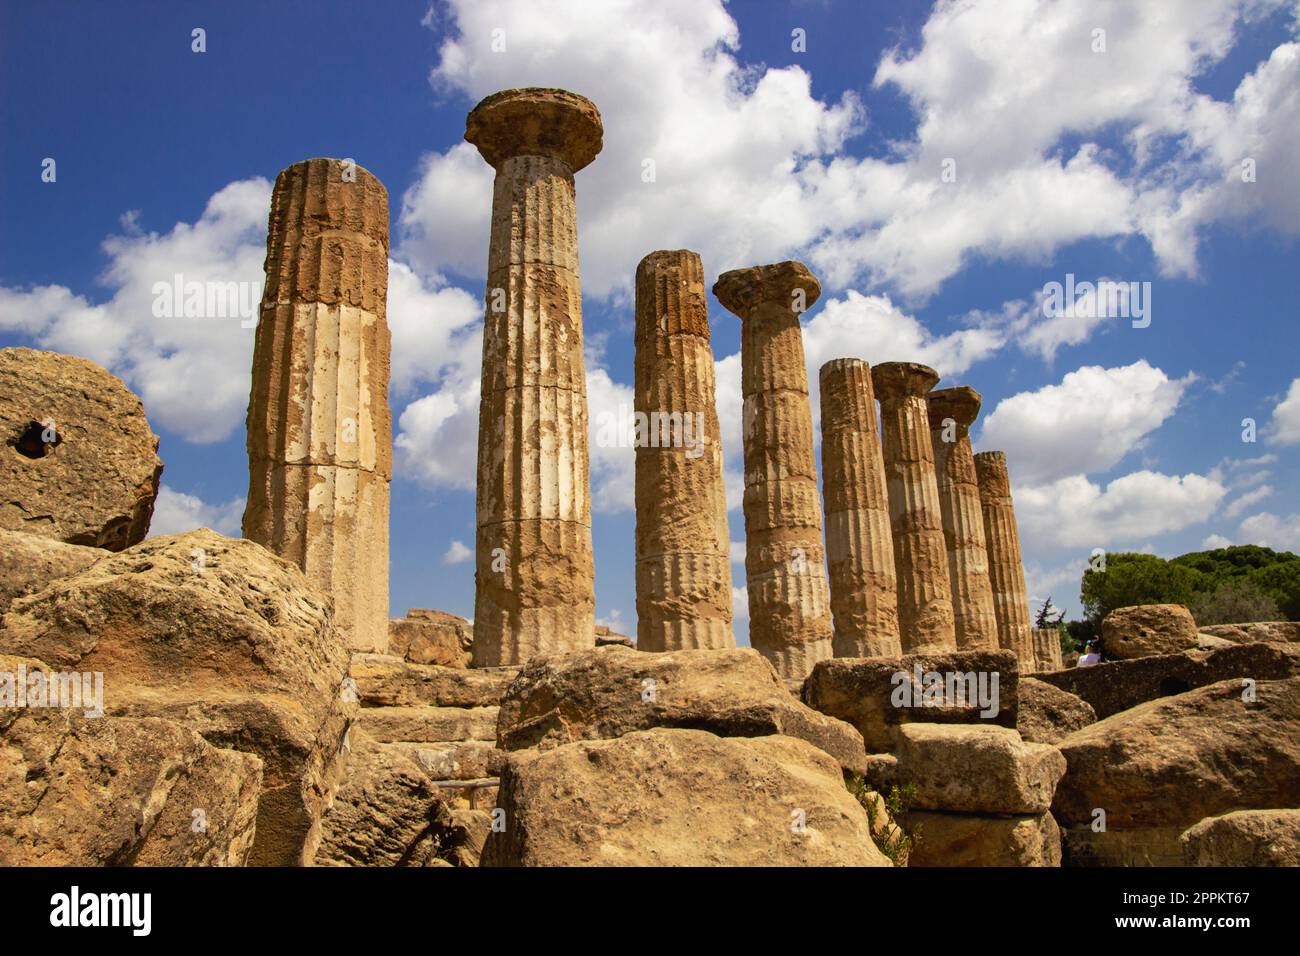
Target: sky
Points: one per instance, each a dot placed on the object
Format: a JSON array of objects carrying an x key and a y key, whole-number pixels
[{"x": 937, "y": 166}]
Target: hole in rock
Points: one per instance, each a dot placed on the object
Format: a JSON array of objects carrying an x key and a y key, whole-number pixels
[{"x": 32, "y": 444}]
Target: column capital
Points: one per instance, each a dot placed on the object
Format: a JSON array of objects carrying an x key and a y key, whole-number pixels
[
  {"x": 536, "y": 121},
  {"x": 895, "y": 381},
  {"x": 741, "y": 291},
  {"x": 961, "y": 404}
]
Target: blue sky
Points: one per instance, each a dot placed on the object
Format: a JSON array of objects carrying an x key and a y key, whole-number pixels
[{"x": 1116, "y": 155}]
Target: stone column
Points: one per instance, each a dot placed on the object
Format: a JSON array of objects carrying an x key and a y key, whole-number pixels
[
  {"x": 952, "y": 411},
  {"x": 534, "y": 578},
  {"x": 1047, "y": 649},
  {"x": 789, "y": 604},
  {"x": 683, "y": 563},
  {"x": 925, "y": 616},
  {"x": 859, "y": 544},
  {"x": 319, "y": 427},
  {"x": 1007, "y": 574}
]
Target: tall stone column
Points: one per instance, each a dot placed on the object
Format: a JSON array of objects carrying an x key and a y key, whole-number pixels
[
  {"x": 925, "y": 615},
  {"x": 319, "y": 427},
  {"x": 789, "y": 604},
  {"x": 952, "y": 412},
  {"x": 1007, "y": 574},
  {"x": 1047, "y": 649},
  {"x": 683, "y": 563},
  {"x": 534, "y": 578},
  {"x": 859, "y": 544}
]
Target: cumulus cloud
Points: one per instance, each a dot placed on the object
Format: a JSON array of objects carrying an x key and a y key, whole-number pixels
[
  {"x": 1245, "y": 501},
  {"x": 457, "y": 553},
  {"x": 1280, "y": 532},
  {"x": 176, "y": 512},
  {"x": 1076, "y": 512},
  {"x": 1086, "y": 424},
  {"x": 1284, "y": 427}
]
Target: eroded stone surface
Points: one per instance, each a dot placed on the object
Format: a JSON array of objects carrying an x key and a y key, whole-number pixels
[
  {"x": 219, "y": 636},
  {"x": 1147, "y": 630},
  {"x": 431, "y": 637},
  {"x": 873, "y": 694},
  {"x": 29, "y": 562},
  {"x": 534, "y": 578},
  {"x": 1006, "y": 571},
  {"x": 611, "y": 692},
  {"x": 1046, "y": 714},
  {"x": 925, "y": 611},
  {"x": 670, "y": 797},
  {"x": 1244, "y": 838},
  {"x": 859, "y": 543},
  {"x": 319, "y": 425},
  {"x": 683, "y": 563},
  {"x": 959, "y": 839},
  {"x": 78, "y": 460},
  {"x": 785, "y": 571}
]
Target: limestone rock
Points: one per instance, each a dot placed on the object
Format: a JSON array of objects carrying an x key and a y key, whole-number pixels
[
  {"x": 1114, "y": 686},
  {"x": 431, "y": 637},
  {"x": 1175, "y": 761},
  {"x": 612, "y": 692},
  {"x": 670, "y": 797},
  {"x": 958, "y": 839},
  {"x": 1046, "y": 713},
  {"x": 80, "y": 464},
  {"x": 1208, "y": 642},
  {"x": 430, "y": 724},
  {"x": 222, "y": 637},
  {"x": 862, "y": 692},
  {"x": 120, "y": 791},
  {"x": 29, "y": 562},
  {"x": 384, "y": 681},
  {"x": 1147, "y": 630},
  {"x": 1245, "y": 838},
  {"x": 383, "y": 812},
  {"x": 1006, "y": 567},
  {"x": 607, "y": 638},
  {"x": 964, "y": 769},
  {"x": 1255, "y": 631}
]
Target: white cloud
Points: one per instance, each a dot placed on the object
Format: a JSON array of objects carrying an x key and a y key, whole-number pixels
[
  {"x": 457, "y": 553},
  {"x": 1084, "y": 425},
  {"x": 175, "y": 512},
  {"x": 1251, "y": 497},
  {"x": 1075, "y": 512},
  {"x": 1284, "y": 428},
  {"x": 1282, "y": 533},
  {"x": 736, "y": 552},
  {"x": 1215, "y": 541}
]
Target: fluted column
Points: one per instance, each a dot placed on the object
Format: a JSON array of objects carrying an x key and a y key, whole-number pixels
[
  {"x": 952, "y": 412},
  {"x": 1006, "y": 573},
  {"x": 789, "y": 603},
  {"x": 1047, "y": 649},
  {"x": 859, "y": 544},
  {"x": 319, "y": 426},
  {"x": 683, "y": 563},
  {"x": 534, "y": 577},
  {"x": 925, "y": 616}
]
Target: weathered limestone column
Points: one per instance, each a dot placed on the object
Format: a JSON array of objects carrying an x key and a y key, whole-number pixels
[
  {"x": 952, "y": 412},
  {"x": 1007, "y": 574},
  {"x": 1047, "y": 649},
  {"x": 925, "y": 616},
  {"x": 534, "y": 579},
  {"x": 683, "y": 563},
  {"x": 789, "y": 604},
  {"x": 319, "y": 427},
  {"x": 859, "y": 544}
]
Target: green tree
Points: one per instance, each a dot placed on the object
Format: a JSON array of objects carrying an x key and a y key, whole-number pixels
[
  {"x": 1234, "y": 602},
  {"x": 1048, "y": 615},
  {"x": 1131, "y": 579}
]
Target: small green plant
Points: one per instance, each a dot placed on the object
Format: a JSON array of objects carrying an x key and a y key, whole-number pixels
[{"x": 896, "y": 841}]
